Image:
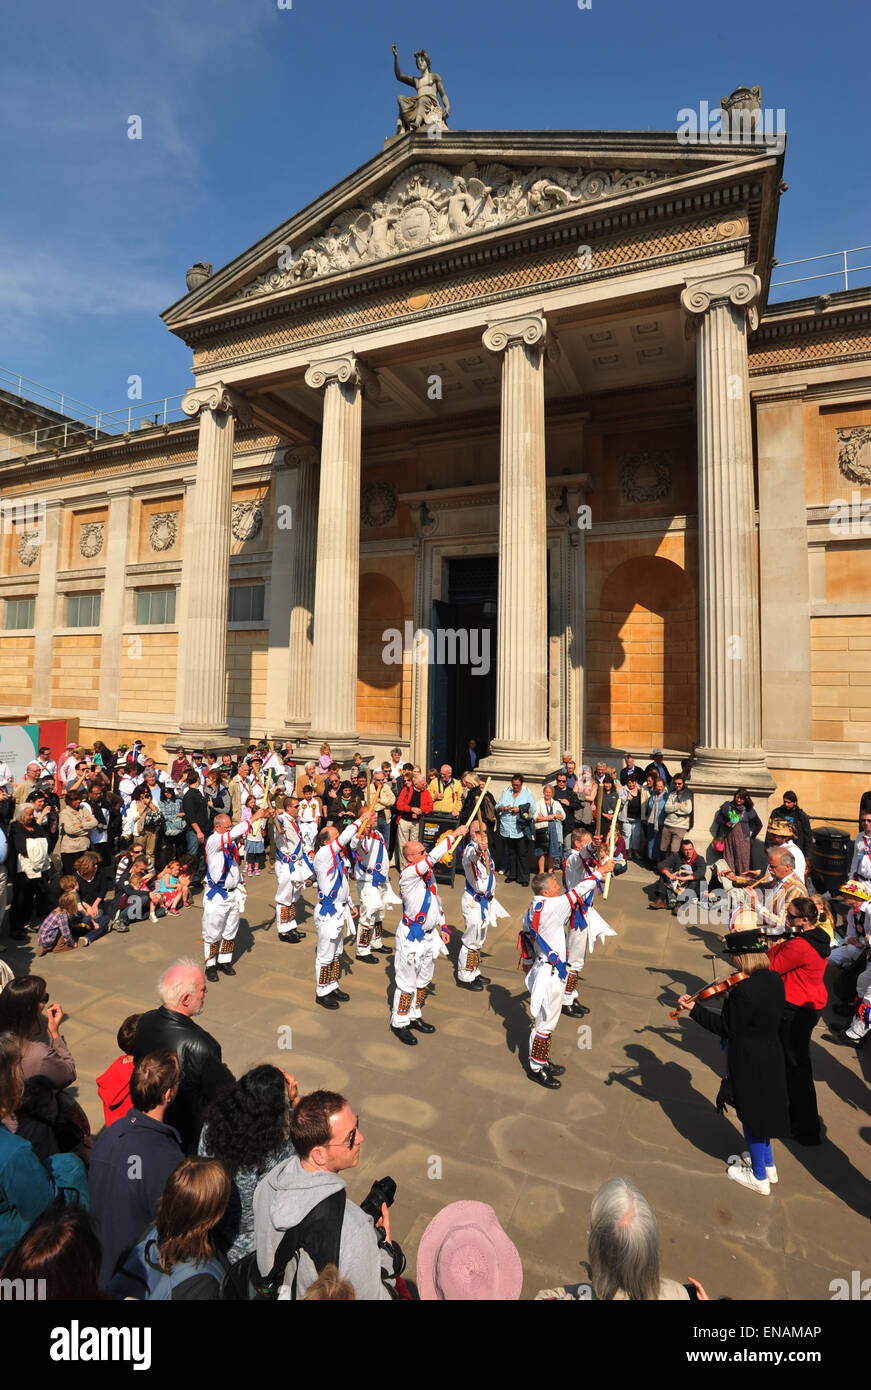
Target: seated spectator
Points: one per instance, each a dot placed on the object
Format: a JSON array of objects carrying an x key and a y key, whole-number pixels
[
  {"x": 139, "y": 900},
  {"x": 623, "y": 1246},
  {"x": 329, "y": 1288},
  {"x": 681, "y": 877},
  {"x": 91, "y": 887},
  {"x": 326, "y": 1136},
  {"x": 856, "y": 939},
  {"x": 464, "y": 1256},
  {"x": 61, "y": 1253},
  {"x": 186, "y": 867},
  {"x": 177, "y": 1260},
  {"x": 125, "y": 861},
  {"x": 183, "y": 991},
  {"x": 248, "y": 1129},
  {"x": 113, "y": 1087},
  {"x": 170, "y": 890},
  {"x": 26, "y": 1185},
  {"x": 132, "y": 1160},
  {"x": 55, "y": 932}
]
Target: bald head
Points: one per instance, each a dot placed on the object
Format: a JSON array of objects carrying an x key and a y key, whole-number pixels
[
  {"x": 222, "y": 824},
  {"x": 413, "y": 851}
]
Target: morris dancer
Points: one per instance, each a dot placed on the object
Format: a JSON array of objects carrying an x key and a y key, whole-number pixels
[
  {"x": 224, "y": 895},
  {"x": 480, "y": 909},
  {"x": 293, "y": 870},
  {"x": 582, "y": 872},
  {"x": 371, "y": 866},
  {"x": 333, "y": 910},
  {"x": 543, "y": 956},
  {"x": 421, "y": 935}
]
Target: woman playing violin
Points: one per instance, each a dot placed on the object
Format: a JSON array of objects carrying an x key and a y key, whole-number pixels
[{"x": 749, "y": 1024}]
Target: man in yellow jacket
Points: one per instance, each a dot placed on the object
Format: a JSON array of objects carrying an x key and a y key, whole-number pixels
[{"x": 446, "y": 792}]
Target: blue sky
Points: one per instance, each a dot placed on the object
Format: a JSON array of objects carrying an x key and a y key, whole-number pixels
[{"x": 249, "y": 111}]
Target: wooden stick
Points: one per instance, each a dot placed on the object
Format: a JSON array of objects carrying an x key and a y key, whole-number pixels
[
  {"x": 265, "y": 803},
  {"x": 611, "y": 839},
  {"x": 599, "y": 808},
  {"x": 446, "y": 858}
]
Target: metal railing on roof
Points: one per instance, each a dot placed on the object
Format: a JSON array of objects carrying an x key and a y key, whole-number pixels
[
  {"x": 93, "y": 425},
  {"x": 844, "y": 270}
]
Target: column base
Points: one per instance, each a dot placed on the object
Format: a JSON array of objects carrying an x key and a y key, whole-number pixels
[
  {"x": 343, "y": 746},
  {"x": 534, "y": 762},
  {"x": 716, "y": 775}
]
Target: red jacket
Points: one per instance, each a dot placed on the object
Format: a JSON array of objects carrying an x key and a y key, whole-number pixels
[
  {"x": 113, "y": 1088},
  {"x": 409, "y": 797},
  {"x": 801, "y": 960}
]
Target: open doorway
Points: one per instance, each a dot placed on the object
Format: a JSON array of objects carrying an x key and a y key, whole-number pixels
[{"x": 463, "y": 671}]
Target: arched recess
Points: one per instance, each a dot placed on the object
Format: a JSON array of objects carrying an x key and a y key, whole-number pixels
[
  {"x": 642, "y": 657},
  {"x": 381, "y": 686}
]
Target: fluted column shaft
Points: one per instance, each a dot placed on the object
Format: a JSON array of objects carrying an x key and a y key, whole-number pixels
[
  {"x": 730, "y": 685},
  {"x": 337, "y": 577},
  {"x": 305, "y": 533},
  {"x": 521, "y": 653},
  {"x": 203, "y": 659}
]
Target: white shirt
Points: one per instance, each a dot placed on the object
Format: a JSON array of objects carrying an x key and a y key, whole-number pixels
[
  {"x": 309, "y": 811},
  {"x": 330, "y": 869},
  {"x": 861, "y": 865},
  {"x": 555, "y": 914},
  {"x": 413, "y": 884},
  {"x": 800, "y": 861},
  {"x": 215, "y": 846},
  {"x": 476, "y": 866},
  {"x": 542, "y": 809},
  {"x": 6, "y": 778},
  {"x": 370, "y": 853}
]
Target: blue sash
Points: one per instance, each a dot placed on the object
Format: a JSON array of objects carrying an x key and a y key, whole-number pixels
[
  {"x": 531, "y": 930},
  {"x": 415, "y": 924},
  {"x": 378, "y": 878},
  {"x": 327, "y": 901},
  {"x": 218, "y": 889},
  {"x": 485, "y": 897},
  {"x": 291, "y": 859}
]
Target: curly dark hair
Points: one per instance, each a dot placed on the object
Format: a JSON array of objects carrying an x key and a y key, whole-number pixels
[{"x": 249, "y": 1126}]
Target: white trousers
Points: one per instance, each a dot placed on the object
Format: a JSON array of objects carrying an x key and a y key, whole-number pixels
[
  {"x": 220, "y": 925},
  {"x": 414, "y": 964},
  {"x": 576, "y": 954},
  {"x": 287, "y": 894},
  {"x": 474, "y": 936},
  {"x": 546, "y": 992},
  {"x": 372, "y": 905},
  {"x": 845, "y": 955},
  {"x": 861, "y": 1024},
  {"x": 330, "y": 937}
]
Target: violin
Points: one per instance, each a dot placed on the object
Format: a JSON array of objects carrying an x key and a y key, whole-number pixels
[{"x": 719, "y": 987}]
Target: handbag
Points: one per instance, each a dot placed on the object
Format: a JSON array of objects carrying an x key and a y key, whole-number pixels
[{"x": 718, "y": 846}]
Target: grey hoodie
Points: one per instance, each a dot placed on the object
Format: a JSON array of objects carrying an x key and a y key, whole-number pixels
[{"x": 284, "y": 1197}]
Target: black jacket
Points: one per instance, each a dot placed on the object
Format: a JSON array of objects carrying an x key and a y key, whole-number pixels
[
  {"x": 801, "y": 827},
  {"x": 193, "y": 803},
  {"x": 199, "y": 1055},
  {"x": 130, "y": 1163},
  {"x": 750, "y": 1020}
]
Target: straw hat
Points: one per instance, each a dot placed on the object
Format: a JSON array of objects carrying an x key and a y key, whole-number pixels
[{"x": 856, "y": 888}]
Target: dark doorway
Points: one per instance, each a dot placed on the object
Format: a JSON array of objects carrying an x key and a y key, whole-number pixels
[{"x": 463, "y": 671}]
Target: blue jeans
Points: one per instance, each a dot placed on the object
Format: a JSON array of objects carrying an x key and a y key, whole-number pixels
[
  {"x": 194, "y": 847},
  {"x": 760, "y": 1153}
]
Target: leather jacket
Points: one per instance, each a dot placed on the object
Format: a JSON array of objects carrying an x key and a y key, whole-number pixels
[{"x": 199, "y": 1056}]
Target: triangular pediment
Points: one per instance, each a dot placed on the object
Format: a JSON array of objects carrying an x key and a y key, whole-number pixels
[{"x": 420, "y": 194}]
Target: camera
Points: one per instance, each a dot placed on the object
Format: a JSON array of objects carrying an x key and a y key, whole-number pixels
[{"x": 381, "y": 1192}]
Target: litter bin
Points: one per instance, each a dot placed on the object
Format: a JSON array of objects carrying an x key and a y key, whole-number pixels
[
  {"x": 831, "y": 857},
  {"x": 432, "y": 827}
]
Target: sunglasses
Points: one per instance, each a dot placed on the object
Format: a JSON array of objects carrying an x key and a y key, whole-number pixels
[
  {"x": 347, "y": 1143},
  {"x": 44, "y": 999}
]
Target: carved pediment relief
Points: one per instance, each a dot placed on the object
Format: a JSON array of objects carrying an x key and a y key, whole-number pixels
[{"x": 429, "y": 203}]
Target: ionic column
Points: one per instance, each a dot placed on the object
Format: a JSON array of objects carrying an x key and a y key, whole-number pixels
[
  {"x": 730, "y": 719},
  {"x": 46, "y": 608},
  {"x": 305, "y": 536},
  {"x": 337, "y": 577},
  {"x": 202, "y": 708},
  {"x": 113, "y": 605},
  {"x": 521, "y": 740}
]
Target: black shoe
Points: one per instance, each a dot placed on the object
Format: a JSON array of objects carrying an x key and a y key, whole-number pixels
[
  {"x": 420, "y": 1027},
  {"x": 226, "y": 970},
  {"x": 575, "y": 1010},
  {"x": 327, "y": 1001},
  {"x": 555, "y": 1069},
  {"x": 18, "y": 934},
  {"x": 341, "y": 996},
  {"x": 366, "y": 960},
  {"x": 293, "y": 937},
  {"x": 544, "y": 1078},
  {"x": 841, "y": 1039},
  {"x": 404, "y": 1035},
  {"x": 212, "y": 974},
  {"x": 471, "y": 984},
  {"x": 382, "y": 950},
  {"x": 509, "y": 880},
  {"x": 485, "y": 979}
]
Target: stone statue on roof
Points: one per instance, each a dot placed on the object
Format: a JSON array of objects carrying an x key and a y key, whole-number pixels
[{"x": 424, "y": 111}]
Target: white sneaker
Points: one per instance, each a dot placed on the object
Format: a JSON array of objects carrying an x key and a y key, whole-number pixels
[
  {"x": 770, "y": 1173},
  {"x": 746, "y": 1178}
]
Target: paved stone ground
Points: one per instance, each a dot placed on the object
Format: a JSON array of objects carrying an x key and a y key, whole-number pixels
[{"x": 636, "y": 1102}]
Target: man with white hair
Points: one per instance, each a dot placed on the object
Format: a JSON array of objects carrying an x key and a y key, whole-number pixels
[
  {"x": 182, "y": 990},
  {"x": 224, "y": 896},
  {"x": 480, "y": 908},
  {"x": 333, "y": 911},
  {"x": 777, "y": 890}
]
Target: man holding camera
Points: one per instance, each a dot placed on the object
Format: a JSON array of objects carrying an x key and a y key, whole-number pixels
[
  {"x": 303, "y": 1199},
  {"x": 516, "y": 811}
]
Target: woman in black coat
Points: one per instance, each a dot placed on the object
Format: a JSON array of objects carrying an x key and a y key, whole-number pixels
[{"x": 750, "y": 1023}]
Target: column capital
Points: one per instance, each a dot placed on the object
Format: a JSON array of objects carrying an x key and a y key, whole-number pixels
[
  {"x": 345, "y": 369},
  {"x": 528, "y": 329},
  {"x": 298, "y": 455},
  {"x": 218, "y": 398},
  {"x": 741, "y": 288}
]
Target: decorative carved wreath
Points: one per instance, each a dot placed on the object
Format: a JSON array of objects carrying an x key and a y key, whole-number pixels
[
  {"x": 377, "y": 504},
  {"x": 247, "y": 522},
  {"x": 854, "y": 453},
  {"x": 28, "y": 548},
  {"x": 163, "y": 530},
  {"x": 645, "y": 477},
  {"x": 91, "y": 539}
]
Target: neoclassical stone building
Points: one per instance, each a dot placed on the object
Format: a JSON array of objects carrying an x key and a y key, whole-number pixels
[{"x": 518, "y": 388}]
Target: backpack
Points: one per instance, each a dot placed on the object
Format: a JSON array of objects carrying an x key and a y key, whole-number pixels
[{"x": 319, "y": 1234}]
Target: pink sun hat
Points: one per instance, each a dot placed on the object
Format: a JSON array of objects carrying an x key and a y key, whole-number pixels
[{"x": 465, "y": 1256}]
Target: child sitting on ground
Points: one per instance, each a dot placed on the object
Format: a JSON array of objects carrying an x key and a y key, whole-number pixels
[
  {"x": 171, "y": 893},
  {"x": 139, "y": 900},
  {"x": 113, "y": 1086}
]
